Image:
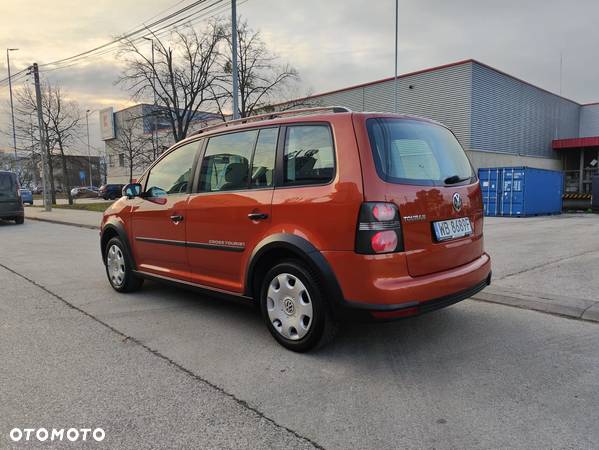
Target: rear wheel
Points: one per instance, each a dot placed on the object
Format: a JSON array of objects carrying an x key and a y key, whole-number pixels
[
  {"x": 20, "y": 220},
  {"x": 294, "y": 309},
  {"x": 118, "y": 268}
]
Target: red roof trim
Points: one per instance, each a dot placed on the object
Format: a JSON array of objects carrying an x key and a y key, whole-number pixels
[{"x": 559, "y": 144}]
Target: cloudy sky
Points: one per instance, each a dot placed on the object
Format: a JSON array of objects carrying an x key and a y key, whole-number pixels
[{"x": 332, "y": 43}]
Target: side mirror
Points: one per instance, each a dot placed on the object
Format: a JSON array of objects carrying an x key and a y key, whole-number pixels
[{"x": 132, "y": 190}]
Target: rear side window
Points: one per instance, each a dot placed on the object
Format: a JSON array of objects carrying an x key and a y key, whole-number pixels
[
  {"x": 172, "y": 174},
  {"x": 417, "y": 152},
  {"x": 8, "y": 187},
  {"x": 309, "y": 157},
  {"x": 226, "y": 163}
]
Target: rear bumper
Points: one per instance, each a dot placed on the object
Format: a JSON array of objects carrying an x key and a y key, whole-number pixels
[
  {"x": 11, "y": 214},
  {"x": 383, "y": 295}
]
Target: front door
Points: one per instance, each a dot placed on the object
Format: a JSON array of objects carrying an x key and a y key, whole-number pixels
[
  {"x": 231, "y": 211},
  {"x": 158, "y": 216}
]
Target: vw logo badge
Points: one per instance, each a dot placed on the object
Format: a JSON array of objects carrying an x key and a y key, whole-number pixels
[{"x": 457, "y": 202}]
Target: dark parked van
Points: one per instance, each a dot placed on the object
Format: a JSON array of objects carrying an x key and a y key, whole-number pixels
[{"x": 11, "y": 205}]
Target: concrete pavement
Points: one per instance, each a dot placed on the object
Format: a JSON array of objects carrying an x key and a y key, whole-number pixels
[
  {"x": 475, "y": 375},
  {"x": 63, "y": 368},
  {"x": 545, "y": 263}
]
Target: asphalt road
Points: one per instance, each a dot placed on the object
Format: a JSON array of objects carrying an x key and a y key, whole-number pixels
[{"x": 165, "y": 368}]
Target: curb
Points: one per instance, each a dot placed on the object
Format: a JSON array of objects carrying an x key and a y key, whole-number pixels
[
  {"x": 578, "y": 309},
  {"x": 61, "y": 222}
]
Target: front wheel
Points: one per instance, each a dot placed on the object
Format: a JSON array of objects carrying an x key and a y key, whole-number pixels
[
  {"x": 20, "y": 220},
  {"x": 294, "y": 309},
  {"x": 118, "y": 268}
]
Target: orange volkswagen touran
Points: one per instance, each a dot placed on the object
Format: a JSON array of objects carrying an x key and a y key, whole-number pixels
[{"x": 316, "y": 216}]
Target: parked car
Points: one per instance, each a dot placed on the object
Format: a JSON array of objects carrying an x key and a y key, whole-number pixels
[
  {"x": 11, "y": 205},
  {"x": 110, "y": 191},
  {"x": 26, "y": 196},
  {"x": 315, "y": 217},
  {"x": 84, "y": 192},
  {"x": 37, "y": 189}
]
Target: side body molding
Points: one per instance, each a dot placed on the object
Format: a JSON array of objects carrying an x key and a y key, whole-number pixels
[{"x": 305, "y": 251}]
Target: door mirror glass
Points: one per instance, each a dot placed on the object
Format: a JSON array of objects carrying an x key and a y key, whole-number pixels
[{"x": 132, "y": 190}]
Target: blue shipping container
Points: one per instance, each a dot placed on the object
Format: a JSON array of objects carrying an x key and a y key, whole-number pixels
[{"x": 521, "y": 191}]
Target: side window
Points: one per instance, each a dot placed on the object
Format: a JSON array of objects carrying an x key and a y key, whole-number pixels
[
  {"x": 308, "y": 156},
  {"x": 263, "y": 164},
  {"x": 226, "y": 164},
  {"x": 172, "y": 174}
]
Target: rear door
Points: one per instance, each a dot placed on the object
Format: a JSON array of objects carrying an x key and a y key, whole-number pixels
[
  {"x": 421, "y": 167},
  {"x": 158, "y": 216},
  {"x": 231, "y": 210}
]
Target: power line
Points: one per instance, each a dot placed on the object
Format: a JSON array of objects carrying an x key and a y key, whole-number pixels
[
  {"x": 119, "y": 39},
  {"x": 159, "y": 32}
]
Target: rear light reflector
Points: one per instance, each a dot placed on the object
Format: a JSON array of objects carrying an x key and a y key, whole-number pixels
[
  {"x": 384, "y": 212},
  {"x": 408, "y": 312},
  {"x": 379, "y": 229},
  {"x": 384, "y": 241}
]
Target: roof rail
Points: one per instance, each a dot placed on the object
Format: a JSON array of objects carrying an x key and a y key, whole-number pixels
[{"x": 274, "y": 115}]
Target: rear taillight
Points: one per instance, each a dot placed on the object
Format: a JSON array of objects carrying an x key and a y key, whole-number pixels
[{"x": 379, "y": 229}]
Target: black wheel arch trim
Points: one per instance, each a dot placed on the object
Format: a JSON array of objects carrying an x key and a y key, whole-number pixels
[
  {"x": 117, "y": 226},
  {"x": 303, "y": 249}
]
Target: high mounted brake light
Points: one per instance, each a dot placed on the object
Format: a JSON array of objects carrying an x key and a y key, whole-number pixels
[{"x": 379, "y": 229}]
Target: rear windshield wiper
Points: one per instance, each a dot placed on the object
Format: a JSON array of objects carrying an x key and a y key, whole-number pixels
[{"x": 455, "y": 179}]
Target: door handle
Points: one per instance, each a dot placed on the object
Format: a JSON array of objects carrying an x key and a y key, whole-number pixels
[
  {"x": 177, "y": 218},
  {"x": 257, "y": 216}
]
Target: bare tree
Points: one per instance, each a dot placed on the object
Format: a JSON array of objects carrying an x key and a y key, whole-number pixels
[
  {"x": 262, "y": 80},
  {"x": 61, "y": 119},
  {"x": 181, "y": 75},
  {"x": 27, "y": 127},
  {"x": 132, "y": 143}
]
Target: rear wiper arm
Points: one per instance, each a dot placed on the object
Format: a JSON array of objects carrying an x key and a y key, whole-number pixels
[{"x": 455, "y": 179}]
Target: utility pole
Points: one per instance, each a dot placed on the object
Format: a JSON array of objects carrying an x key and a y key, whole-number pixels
[
  {"x": 234, "y": 59},
  {"x": 12, "y": 110},
  {"x": 395, "y": 107},
  {"x": 89, "y": 153},
  {"x": 154, "y": 111},
  {"x": 43, "y": 140}
]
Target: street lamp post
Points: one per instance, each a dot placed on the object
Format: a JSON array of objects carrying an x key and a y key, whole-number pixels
[
  {"x": 12, "y": 110},
  {"x": 234, "y": 59},
  {"x": 89, "y": 154},
  {"x": 395, "y": 107}
]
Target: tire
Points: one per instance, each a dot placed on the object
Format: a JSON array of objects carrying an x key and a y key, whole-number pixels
[
  {"x": 119, "y": 268},
  {"x": 112, "y": 197},
  {"x": 296, "y": 313},
  {"x": 20, "y": 220}
]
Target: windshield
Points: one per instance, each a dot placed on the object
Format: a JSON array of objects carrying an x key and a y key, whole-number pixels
[
  {"x": 417, "y": 152},
  {"x": 7, "y": 185}
]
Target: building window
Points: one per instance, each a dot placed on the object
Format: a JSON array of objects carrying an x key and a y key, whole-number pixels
[
  {"x": 121, "y": 160},
  {"x": 110, "y": 160}
]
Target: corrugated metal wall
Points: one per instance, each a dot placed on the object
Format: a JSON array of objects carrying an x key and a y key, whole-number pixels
[
  {"x": 442, "y": 95},
  {"x": 589, "y": 120},
  {"x": 514, "y": 117}
]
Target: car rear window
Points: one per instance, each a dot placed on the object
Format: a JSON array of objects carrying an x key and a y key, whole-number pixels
[
  {"x": 417, "y": 152},
  {"x": 7, "y": 185}
]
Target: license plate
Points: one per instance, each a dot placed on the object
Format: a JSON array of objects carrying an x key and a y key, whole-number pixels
[{"x": 452, "y": 229}]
